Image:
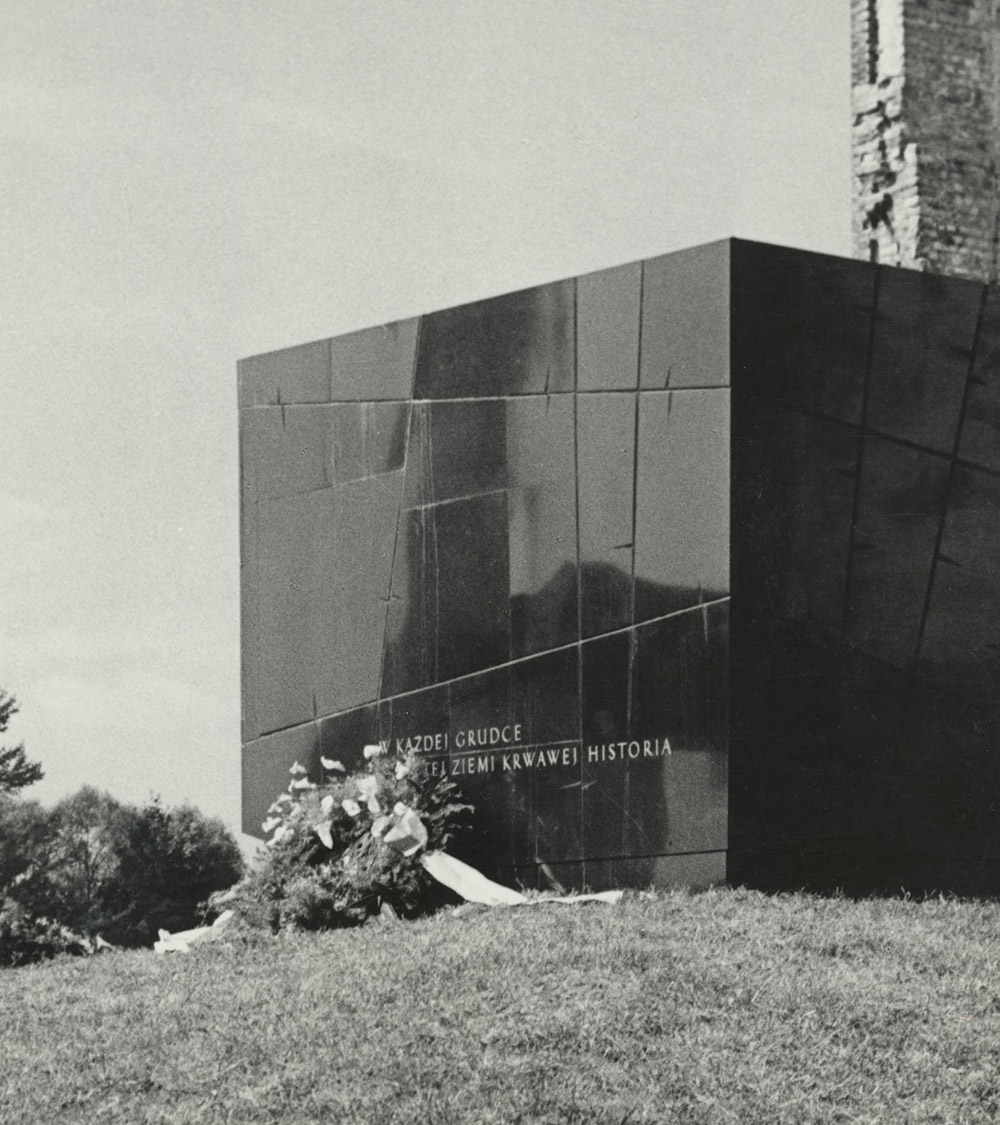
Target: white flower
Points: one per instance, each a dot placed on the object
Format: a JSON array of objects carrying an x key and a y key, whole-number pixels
[
  {"x": 367, "y": 787},
  {"x": 401, "y": 770},
  {"x": 271, "y": 823},
  {"x": 330, "y": 764},
  {"x": 323, "y": 832},
  {"x": 372, "y": 750},
  {"x": 352, "y": 808},
  {"x": 297, "y": 767},
  {"x": 327, "y": 803},
  {"x": 302, "y": 783},
  {"x": 280, "y": 834}
]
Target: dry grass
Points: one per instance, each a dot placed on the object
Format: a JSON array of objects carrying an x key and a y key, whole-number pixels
[{"x": 725, "y": 1006}]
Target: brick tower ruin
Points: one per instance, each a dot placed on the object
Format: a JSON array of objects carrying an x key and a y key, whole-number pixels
[{"x": 926, "y": 134}]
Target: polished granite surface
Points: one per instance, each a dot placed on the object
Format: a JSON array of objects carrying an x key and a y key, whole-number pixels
[{"x": 714, "y": 534}]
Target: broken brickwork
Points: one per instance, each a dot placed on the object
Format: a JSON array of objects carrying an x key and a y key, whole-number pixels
[{"x": 926, "y": 134}]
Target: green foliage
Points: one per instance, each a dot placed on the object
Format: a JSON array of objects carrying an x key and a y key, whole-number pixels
[
  {"x": 27, "y": 932},
  {"x": 82, "y": 862},
  {"x": 94, "y": 866},
  {"x": 169, "y": 862},
  {"x": 332, "y": 859},
  {"x": 16, "y": 772}
]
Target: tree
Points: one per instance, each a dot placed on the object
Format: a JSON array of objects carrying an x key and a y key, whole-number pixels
[
  {"x": 82, "y": 864},
  {"x": 170, "y": 861},
  {"x": 16, "y": 772}
]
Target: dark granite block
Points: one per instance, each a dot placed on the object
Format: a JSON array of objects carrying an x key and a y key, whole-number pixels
[
  {"x": 814, "y": 739},
  {"x": 606, "y": 426},
  {"x": 299, "y": 374},
  {"x": 560, "y": 878},
  {"x": 545, "y": 697},
  {"x": 295, "y": 608},
  {"x": 961, "y": 643},
  {"x": 794, "y": 485},
  {"x": 449, "y": 611},
  {"x": 682, "y": 506},
  {"x": 801, "y": 328},
  {"x": 607, "y": 331},
  {"x": 899, "y": 514},
  {"x": 924, "y": 333},
  {"x": 285, "y": 450},
  {"x": 660, "y": 872},
  {"x": 316, "y": 600},
  {"x": 606, "y": 720},
  {"x": 947, "y": 793},
  {"x": 356, "y": 576},
  {"x": 980, "y": 442},
  {"x": 483, "y": 726},
  {"x": 542, "y": 523},
  {"x": 546, "y": 777},
  {"x": 455, "y": 449},
  {"x": 367, "y": 438},
  {"x": 375, "y": 363},
  {"x": 679, "y": 700},
  {"x": 685, "y": 319},
  {"x": 343, "y": 737},
  {"x": 266, "y": 762},
  {"x": 520, "y": 343}
]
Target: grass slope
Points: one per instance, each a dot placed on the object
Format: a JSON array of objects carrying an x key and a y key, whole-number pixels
[{"x": 724, "y": 1006}]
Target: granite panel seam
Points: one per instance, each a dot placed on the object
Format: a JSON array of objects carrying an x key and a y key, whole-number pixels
[
  {"x": 455, "y": 499},
  {"x": 635, "y": 442},
  {"x": 700, "y": 607},
  {"x": 869, "y": 431},
  {"x": 395, "y": 539},
  {"x": 950, "y": 483},
  {"x": 630, "y": 857},
  {"x": 576, "y": 503},
  {"x": 859, "y": 462}
]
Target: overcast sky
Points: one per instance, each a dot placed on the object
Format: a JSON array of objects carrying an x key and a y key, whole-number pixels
[{"x": 185, "y": 183}]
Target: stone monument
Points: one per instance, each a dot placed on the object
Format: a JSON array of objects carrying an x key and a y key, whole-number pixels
[{"x": 680, "y": 570}]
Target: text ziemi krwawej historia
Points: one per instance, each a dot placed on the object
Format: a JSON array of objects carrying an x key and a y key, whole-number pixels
[{"x": 499, "y": 749}]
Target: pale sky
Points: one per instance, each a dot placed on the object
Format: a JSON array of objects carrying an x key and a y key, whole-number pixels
[{"x": 191, "y": 181}]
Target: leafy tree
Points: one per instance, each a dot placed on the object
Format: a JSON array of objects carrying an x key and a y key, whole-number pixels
[
  {"x": 82, "y": 864},
  {"x": 170, "y": 861},
  {"x": 27, "y": 931},
  {"x": 94, "y": 866},
  {"x": 24, "y": 834},
  {"x": 16, "y": 772}
]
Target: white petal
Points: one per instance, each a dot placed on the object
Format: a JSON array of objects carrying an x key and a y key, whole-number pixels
[
  {"x": 323, "y": 832},
  {"x": 331, "y": 764},
  {"x": 302, "y": 783},
  {"x": 367, "y": 786},
  {"x": 352, "y": 808},
  {"x": 373, "y": 806},
  {"x": 271, "y": 823},
  {"x": 281, "y": 833},
  {"x": 372, "y": 750},
  {"x": 327, "y": 803},
  {"x": 400, "y": 809},
  {"x": 401, "y": 771},
  {"x": 297, "y": 767}
]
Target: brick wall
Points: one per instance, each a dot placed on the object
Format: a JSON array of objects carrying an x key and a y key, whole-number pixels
[{"x": 926, "y": 133}]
